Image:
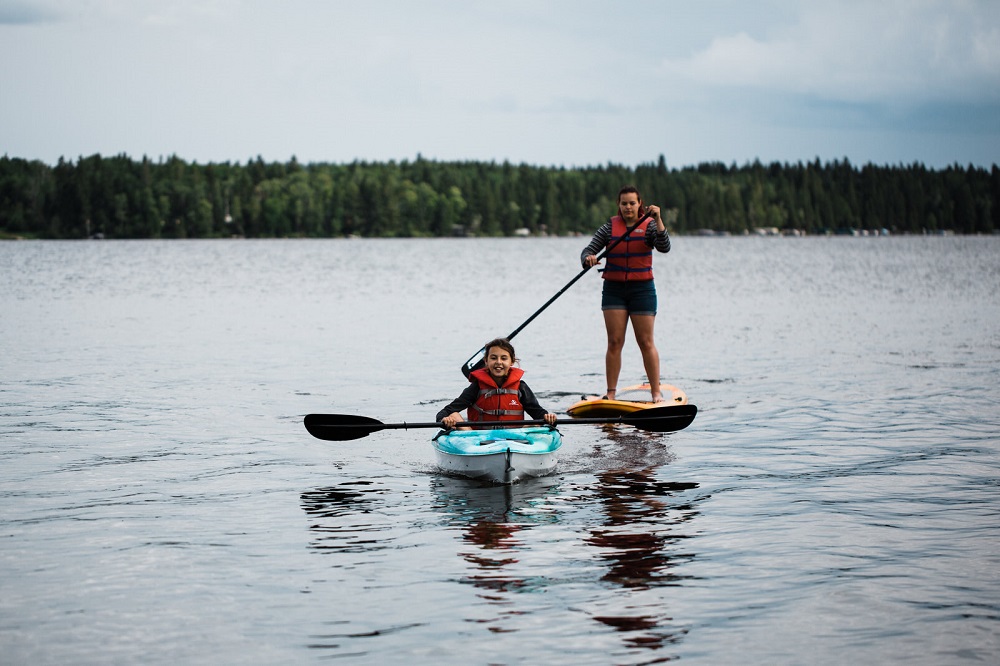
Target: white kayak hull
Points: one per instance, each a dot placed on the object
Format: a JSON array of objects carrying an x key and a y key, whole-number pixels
[{"x": 499, "y": 456}]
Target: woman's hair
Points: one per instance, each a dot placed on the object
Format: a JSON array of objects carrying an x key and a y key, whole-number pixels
[
  {"x": 631, "y": 189},
  {"x": 502, "y": 343}
]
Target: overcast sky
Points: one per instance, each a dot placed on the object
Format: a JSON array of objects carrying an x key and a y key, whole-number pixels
[{"x": 562, "y": 82}]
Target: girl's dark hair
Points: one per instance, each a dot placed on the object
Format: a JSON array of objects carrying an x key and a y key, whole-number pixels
[{"x": 502, "y": 343}]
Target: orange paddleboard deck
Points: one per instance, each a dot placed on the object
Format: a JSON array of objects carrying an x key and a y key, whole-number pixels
[{"x": 627, "y": 401}]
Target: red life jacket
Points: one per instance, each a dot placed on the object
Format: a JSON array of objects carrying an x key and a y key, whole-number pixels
[
  {"x": 631, "y": 260},
  {"x": 497, "y": 403}
]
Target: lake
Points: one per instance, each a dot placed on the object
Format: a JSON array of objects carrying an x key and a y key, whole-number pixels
[{"x": 835, "y": 501}]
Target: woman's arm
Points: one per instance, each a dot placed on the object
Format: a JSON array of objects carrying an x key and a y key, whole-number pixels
[
  {"x": 600, "y": 240},
  {"x": 657, "y": 239}
]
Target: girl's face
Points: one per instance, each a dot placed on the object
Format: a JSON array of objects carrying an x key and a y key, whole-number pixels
[
  {"x": 498, "y": 362},
  {"x": 629, "y": 206}
]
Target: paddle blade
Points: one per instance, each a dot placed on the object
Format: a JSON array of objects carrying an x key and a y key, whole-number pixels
[
  {"x": 476, "y": 361},
  {"x": 663, "y": 419},
  {"x": 341, "y": 427}
]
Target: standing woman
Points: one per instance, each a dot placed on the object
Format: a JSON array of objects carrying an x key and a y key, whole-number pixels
[{"x": 629, "y": 292}]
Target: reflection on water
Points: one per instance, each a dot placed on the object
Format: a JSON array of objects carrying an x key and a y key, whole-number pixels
[
  {"x": 642, "y": 522},
  {"x": 337, "y": 501},
  {"x": 497, "y": 541},
  {"x": 346, "y": 519},
  {"x": 628, "y": 524},
  {"x": 493, "y": 520},
  {"x": 466, "y": 501}
]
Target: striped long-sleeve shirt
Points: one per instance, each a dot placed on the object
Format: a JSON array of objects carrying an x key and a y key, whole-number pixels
[{"x": 654, "y": 238}]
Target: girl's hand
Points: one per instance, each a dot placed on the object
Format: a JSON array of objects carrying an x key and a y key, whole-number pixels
[
  {"x": 450, "y": 420},
  {"x": 591, "y": 260},
  {"x": 550, "y": 418}
]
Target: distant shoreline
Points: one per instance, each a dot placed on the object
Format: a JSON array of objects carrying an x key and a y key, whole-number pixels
[{"x": 118, "y": 197}]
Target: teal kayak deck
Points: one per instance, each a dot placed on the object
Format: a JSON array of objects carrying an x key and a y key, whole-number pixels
[{"x": 538, "y": 440}]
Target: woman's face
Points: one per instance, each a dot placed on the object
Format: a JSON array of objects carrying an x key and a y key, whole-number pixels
[
  {"x": 498, "y": 361},
  {"x": 628, "y": 206}
]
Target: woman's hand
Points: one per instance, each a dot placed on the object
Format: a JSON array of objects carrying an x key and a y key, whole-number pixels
[
  {"x": 654, "y": 211},
  {"x": 550, "y": 418},
  {"x": 591, "y": 260},
  {"x": 450, "y": 420}
]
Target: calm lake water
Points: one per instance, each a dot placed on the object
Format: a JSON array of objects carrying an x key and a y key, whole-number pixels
[{"x": 837, "y": 500}]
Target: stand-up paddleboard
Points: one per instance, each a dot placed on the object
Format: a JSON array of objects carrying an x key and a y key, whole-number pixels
[{"x": 627, "y": 401}]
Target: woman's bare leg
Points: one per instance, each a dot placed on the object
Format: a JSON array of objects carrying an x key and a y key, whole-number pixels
[
  {"x": 643, "y": 327},
  {"x": 616, "y": 323}
]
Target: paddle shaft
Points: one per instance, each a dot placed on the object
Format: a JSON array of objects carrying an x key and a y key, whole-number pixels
[
  {"x": 477, "y": 361},
  {"x": 489, "y": 424},
  {"x": 341, "y": 427}
]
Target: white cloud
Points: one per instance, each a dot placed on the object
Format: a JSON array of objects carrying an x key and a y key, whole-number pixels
[{"x": 905, "y": 50}]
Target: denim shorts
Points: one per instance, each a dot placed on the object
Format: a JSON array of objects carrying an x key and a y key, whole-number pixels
[{"x": 638, "y": 298}]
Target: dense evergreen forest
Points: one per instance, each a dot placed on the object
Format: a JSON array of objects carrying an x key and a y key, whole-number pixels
[{"x": 119, "y": 197}]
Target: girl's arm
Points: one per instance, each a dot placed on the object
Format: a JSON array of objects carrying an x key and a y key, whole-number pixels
[
  {"x": 531, "y": 406},
  {"x": 463, "y": 401}
]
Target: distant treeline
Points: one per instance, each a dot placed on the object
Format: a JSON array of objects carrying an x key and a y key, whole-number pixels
[{"x": 119, "y": 197}]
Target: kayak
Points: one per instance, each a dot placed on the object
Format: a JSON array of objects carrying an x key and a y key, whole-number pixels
[
  {"x": 499, "y": 456},
  {"x": 627, "y": 401}
]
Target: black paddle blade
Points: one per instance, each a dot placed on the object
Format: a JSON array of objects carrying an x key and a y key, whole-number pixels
[
  {"x": 662, "y": 419},
  {"x": 341, "y": 427},
  {"x": 476, "y": 361}
]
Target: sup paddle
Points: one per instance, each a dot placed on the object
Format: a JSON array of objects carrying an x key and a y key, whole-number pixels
[
  {"x": 478, "y": 359},
  {"x": 343, "y": 427}
]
